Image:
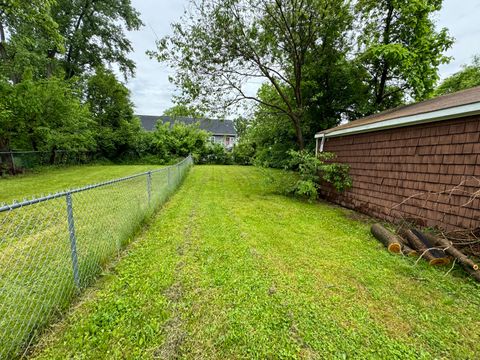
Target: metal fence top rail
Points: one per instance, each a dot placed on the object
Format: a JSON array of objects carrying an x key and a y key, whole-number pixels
[{"x": 33, "y": 201}]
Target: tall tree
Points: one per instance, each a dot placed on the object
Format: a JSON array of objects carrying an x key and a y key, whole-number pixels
[
  {"x": 94, "y": 32},
  {"x": 116, "y": 127},
  {"x": 466, "y": 78},
  {"x": 401, "y": 49},
  {"x": 220, "y": 46}
]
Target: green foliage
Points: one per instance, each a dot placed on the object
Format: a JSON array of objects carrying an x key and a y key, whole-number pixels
[
  {"x": 270, "y": 133},
  {"x": 215, "y": 154},
  {"x": 179, "y": 140},
  {"x": 94, "y": 33},
  {"x": 243, "y": 153},
  {"x": 467, "y": 78},
  {"x": 52, "y": 79},
  {"x": 315, "y": 169},
  {"x": 401, "y": 49},
  {"x": 48, "y": 116},
  {"x": 27, "y": 33},
  {"x": 117, "y": 130},
  {"x": 241, "y": 126},
  {"x": 337, "y": 175},
  {"x": 171, "y": 141},
  {"x": 183, "y": 110}
]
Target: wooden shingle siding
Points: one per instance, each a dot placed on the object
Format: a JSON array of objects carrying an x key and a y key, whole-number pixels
[{"x": 391, "y": 165}]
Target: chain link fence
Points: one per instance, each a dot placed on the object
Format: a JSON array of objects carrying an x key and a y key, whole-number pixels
[{"x": 53, "y": 247}]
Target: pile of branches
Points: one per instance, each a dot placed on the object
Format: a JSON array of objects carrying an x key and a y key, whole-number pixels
[
  {"x": 437, "y": 250},
  {"x": 466, "y": 240}
]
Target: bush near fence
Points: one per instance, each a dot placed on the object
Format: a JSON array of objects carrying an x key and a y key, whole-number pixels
[{"x": 53, "y": 247}]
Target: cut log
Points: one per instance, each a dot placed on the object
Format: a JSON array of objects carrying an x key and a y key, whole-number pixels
[
  {"x": 424, "y": 248},
  {"x": 391, "y": 241},
  {"x": 451, "y": 250},
  {"x": 407, "y": 250}
]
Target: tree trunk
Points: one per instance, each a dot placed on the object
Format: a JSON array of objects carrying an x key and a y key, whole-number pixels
[
  {"x": 6, "y": 163},
  {"x": 3, "y": 51},
  {"x": 53, "y": 156},
  {"x": 69, "y": 73},
  {"x": 50, "y": 66},
  {"x": 386, "y": 40},
  {"x": 298, "y": 132}
]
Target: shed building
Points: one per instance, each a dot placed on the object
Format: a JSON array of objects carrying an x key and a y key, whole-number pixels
[{"x": 419, "y": 162}]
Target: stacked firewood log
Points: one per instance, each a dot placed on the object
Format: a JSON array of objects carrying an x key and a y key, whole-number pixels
[{"x": 434, "y": 249}]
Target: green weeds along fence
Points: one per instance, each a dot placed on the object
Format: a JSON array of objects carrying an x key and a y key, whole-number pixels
[{"x": 53, "y": 247}]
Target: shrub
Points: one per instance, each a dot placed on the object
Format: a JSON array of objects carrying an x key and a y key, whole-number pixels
[
  {"x": 313, "y": 170},
  {"x": 214, "y": 154},
  {"x": 243, "y": 153}
]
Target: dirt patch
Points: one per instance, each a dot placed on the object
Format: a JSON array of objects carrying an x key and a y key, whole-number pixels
[
  {"x": 357, "y": 216},
  {"x": 174, "y": 328},
  {"x": 175, "y": 336}
]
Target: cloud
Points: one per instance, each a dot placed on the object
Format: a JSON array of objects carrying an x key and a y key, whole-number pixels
[
  {"x": 151, "y": 91},
  {"x": 461, "y": 19}
]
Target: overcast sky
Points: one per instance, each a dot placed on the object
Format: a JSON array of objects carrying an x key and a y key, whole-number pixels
[{"x": 152, "y": 93}]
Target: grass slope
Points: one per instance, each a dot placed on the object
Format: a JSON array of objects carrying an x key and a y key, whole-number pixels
[
  {"x": 50, "y": 180},
  {"x": 231, "y": 270}
]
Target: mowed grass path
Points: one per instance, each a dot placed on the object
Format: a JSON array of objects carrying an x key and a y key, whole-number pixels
[
  {"x": 229, "y": 270},
  {"x": 51, "y": 180}
]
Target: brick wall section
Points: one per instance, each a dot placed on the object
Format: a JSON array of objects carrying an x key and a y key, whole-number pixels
[{"x": 387, "y": 167}]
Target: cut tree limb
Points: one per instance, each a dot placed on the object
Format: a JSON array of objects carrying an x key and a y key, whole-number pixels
[
  {"x": 392, "y": 242},
  {"x": 425, "y": 248},
  {"x": 451, "y": 250},
  {"x": 473, "y": 273}
]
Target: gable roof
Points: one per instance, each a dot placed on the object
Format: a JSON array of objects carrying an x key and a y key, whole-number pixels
[
  {"x": 459, "y": 104},
  {"x": 216, "y": 127}
]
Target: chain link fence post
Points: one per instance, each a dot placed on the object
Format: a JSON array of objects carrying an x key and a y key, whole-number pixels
[
  {"x": 149, "y": 186},
  {"x": 169, "y": 178},
  {"x": 73, "y": 240}
]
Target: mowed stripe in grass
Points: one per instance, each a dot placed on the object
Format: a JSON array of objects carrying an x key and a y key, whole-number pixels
[{"x": 231, "y": 270}]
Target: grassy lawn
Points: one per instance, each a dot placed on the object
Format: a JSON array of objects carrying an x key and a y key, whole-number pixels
[
  {"x": 50, "y": 180},
  {"x": 229, "y": 269}
]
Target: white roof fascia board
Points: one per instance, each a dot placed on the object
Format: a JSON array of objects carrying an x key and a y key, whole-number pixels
[{"x": 438, "y": 115}]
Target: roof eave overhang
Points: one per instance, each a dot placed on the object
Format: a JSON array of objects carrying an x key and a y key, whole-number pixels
[{"x": 439, "y": 115}]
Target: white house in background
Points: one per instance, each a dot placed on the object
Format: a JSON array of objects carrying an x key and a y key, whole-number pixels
[{"x": 222, "y": 131}]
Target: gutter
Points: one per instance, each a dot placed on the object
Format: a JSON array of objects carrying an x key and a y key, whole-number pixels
[
  {"x": 317, "y": 149},
  {"x": 439, "y": 115}
]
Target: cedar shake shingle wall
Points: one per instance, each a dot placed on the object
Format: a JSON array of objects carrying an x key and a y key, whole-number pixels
[{"x": 387, "y": 167}]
